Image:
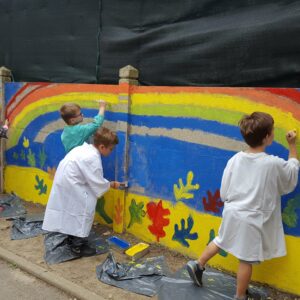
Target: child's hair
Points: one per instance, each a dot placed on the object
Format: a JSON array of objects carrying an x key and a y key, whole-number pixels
[
  {"x": 69, "y": 111},
  {"x": 255, "y": 127},
  {"x": 104, "y": 136}
]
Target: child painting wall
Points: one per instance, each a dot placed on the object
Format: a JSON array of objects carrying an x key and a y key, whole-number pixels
[{"x": 174, "y": 146}]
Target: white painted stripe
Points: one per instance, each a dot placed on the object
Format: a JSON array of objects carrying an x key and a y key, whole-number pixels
[{"x": 186, "y": 135}]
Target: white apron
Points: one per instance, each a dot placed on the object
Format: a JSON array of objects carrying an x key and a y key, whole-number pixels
[
  {"x": 78, "y": 183},
  {"x": 251, "y": 188}
]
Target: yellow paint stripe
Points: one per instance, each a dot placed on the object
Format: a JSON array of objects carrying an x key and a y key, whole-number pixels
[
  {"x": 282, "y": 119},
  {"x": 88, "y": 98}
]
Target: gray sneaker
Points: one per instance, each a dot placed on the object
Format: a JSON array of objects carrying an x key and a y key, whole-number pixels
[{"x": 195, "y": 272}]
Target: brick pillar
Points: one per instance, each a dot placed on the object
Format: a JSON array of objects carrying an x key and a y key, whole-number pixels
[
  {"x": 128, "y": 78},
  {"x": 5, "y": 76}
]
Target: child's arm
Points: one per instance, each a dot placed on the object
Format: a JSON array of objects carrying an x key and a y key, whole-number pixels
[
  {"x": 89, "y": 129},
  {"x": 291, "y": 139},
  {"x": 102, "y": 106}
]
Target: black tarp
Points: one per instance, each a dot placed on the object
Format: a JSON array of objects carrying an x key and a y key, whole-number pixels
[{"x": 191, "y": 42}]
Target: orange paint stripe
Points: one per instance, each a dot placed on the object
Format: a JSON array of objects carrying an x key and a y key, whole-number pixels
[{"x": 57, "y": 89}]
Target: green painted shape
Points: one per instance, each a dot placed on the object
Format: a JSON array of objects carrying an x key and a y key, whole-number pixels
[
  {"x": 23, "y": 155},
  {"x": 42, "y": 157},
  {"x": 289, "y": 215},
  {"x": 136, "y": 213},
  {"x": 101, "y": 211},
  {"x": 212, "y": 235},
  {"x": 206, "y": 113},
  {"x": 31, "y": 158},
  {"x": 41, "y": 187}
]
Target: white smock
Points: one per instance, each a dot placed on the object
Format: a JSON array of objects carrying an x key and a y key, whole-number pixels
[
  {"x": 78, "y": 182},
  {"x": 251, "y": 188}
]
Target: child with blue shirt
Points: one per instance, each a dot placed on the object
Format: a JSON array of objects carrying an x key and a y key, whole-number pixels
[{"x": 75, "y": 134}]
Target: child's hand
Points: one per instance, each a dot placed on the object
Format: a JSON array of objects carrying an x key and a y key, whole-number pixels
[
  {"x": 102, "y": 106},
  {"x": 102, "y": 103},
  {"x": 114, "y": 184},
  {"x": 291, "y": 136},
  {"x": 6, "y": 123}
]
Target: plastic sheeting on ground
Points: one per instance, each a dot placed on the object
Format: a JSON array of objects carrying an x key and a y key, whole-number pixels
[
  {"x": 26, "y": 227},
  {"x": 57, "y": 249},
  {"x": 141, "y": 278},
  {"x": 11, "y": 206},
  {"x": 216, "y": 286},
  {"x": 151, "y": 277}
]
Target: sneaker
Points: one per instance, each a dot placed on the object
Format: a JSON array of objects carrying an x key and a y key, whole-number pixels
[
  {"x": 195, "y": 272},
  {"x": 84, "y": 250}
]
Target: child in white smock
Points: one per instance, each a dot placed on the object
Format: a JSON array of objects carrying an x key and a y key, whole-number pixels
[{"x": 252, "y": 185}]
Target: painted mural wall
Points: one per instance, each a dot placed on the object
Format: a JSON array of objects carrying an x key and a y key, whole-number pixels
[{"x": 174, "y": 145}]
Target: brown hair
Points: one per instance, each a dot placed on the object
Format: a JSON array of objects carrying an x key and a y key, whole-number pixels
[
  {"x": 104, "y": 136},
  {"x": 255, "y": 127},
  {"x": 69, "y": 111}
]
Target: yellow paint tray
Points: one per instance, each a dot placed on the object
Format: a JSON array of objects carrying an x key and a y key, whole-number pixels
[{"x": 137, "y": 251}]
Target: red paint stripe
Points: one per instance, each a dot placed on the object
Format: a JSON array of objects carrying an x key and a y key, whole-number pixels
[
  {"x": 293, "y": 94},
  {"x": 57, "y": 89}
]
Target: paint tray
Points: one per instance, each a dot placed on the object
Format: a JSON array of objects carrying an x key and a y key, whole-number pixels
[
  {"x": 118, "y": 244},
  {"x": 137, "y": 251}
]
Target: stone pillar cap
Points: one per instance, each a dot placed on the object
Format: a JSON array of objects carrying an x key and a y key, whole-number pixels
[
  {"x": 5, "y": 71},
  {"x": 129, "y": 72}
]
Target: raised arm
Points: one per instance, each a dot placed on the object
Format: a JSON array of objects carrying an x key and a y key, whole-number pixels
[{"x": 291, "y": 139}]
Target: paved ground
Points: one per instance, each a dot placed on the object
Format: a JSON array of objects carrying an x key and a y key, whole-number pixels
[{"x": 16, "y": 284}]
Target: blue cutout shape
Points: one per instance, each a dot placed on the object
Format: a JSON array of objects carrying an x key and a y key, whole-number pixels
[{"x": 185, "y": 233}]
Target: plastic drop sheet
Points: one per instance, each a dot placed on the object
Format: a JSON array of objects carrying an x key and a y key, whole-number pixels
[
  {"x": 58, "y": 250},
  {"x": 11, "y": 206},
  {"x": 27, "y": 227},
  {"x": 139, "y": 277},
  {"x": 216, "y": 286}
]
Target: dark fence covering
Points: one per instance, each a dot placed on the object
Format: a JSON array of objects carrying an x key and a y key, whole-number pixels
[{"x": 190, "y": 42}]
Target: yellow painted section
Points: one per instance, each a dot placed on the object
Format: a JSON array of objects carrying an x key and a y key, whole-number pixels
[
  {"x": 228, "y": 103},
  {"x": 279, "y": 272},
  {"x": 136, "y": 249},
  {"x": 21, "y": 181},
  {"x": 88, "y": 98}
]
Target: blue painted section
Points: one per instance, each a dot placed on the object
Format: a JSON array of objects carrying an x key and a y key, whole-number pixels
[
  {"x": 119, "y": 243},
  {"x": 157, "y": 163},
  {"x": 11, "y": 88}
]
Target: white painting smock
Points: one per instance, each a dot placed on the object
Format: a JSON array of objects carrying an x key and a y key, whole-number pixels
[
  {"x": 251, "y": 188},
  {"x": 78, "y": 183}
]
